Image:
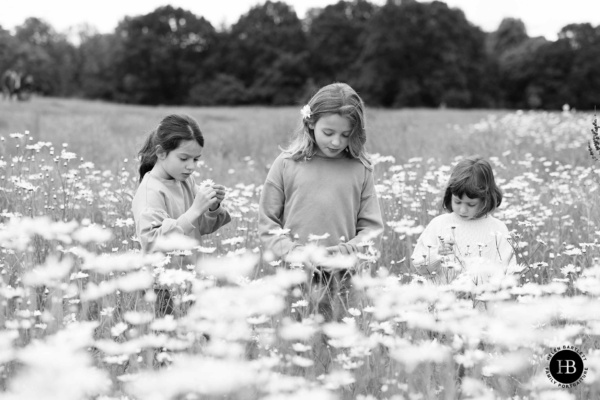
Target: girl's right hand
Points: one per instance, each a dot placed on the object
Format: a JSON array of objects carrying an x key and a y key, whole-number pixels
[
  {"x": 446, "y": 247},
  {"x": 206, "y": 197}
]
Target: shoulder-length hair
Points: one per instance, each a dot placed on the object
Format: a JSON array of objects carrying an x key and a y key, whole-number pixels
[
  {"x": 336, "y": 98},
  {"x": 474, "y": 177},
  {"x": 171, "y": 131}
]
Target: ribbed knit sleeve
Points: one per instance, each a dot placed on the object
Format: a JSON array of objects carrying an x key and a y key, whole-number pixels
[
  {"x": 159, "y": 208},
  {"x": 211, "y": 221},
  {"x": 153, "y": 221}
]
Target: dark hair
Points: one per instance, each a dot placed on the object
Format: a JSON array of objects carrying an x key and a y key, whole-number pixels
[
  {"x": 169, "y": 134},
  {"x": 474, "y": 177},
  {"x": 336, "y": 98}
]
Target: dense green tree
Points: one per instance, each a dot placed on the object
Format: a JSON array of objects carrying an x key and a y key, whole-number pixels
[
  {"x": 259, "y": 48},
  {"x": 48, "y": 56},
  {"x": 403, "y": 54},
  {"x": 516, "y": 69},
  {"x": 565, "y": 71},
  {"x": 543, "y": 74},
  {"x": 423, "y": 54},
  {"x": 512, "y": 52},
  {"x": 96, "y": 73},
  {"x": 335, "y": 38},
  {"x": 161, "y": 55},
  {"x": 283, "y": 82},
  {"x": 510, "y": 33},
  {"x": 584, "y": 79},
  {"x": 548, "y": 74},
  {"x": 580, "y": 35},
  {"x": 8, "y": 50},
  {"x": 219, "y": 89}
]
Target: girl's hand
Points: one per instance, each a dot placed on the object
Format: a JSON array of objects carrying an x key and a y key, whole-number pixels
[
  {"x": 332, "y": 250},
  {"x": 446, "y": 247},
  {"x": 220, "y": 195},
  {"x": 206, "y": 198}
]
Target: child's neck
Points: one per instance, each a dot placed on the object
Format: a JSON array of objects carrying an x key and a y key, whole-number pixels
[{"x": 159, "y": 172}]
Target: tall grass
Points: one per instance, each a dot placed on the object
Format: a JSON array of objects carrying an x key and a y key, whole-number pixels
[
  {"x": 106, "y": 134},
  {"x": 77, "y": 311}
]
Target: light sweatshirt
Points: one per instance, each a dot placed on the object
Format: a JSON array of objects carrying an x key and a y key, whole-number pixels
[
  {"x": 334, "y": 196},
  {"x": 484, "y": 237},
  {"x": 158, "y": 207}
]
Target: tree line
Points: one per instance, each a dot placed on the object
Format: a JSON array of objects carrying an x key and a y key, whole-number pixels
[{"x": 402, "y": 54}]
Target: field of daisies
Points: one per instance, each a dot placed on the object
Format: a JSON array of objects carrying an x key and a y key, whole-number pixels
[{"x": 77, "y": 317}]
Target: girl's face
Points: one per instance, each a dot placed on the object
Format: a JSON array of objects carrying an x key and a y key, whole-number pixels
[
  {"x": 465, "y": 207},
  {"x": 180, "y": 163},
  {"x": 332, "y": 133}
]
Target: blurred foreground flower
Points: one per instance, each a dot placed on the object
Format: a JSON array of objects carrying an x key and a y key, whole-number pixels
[
  {"x": 313, "y": 255},
  {"x": 92, "y": 234},
  {"x": 59, "y": 368},
  {"x": 140, "y": 280},
  {"x": 303, "y": 394},
  {"x": 507, "y": 364},
  {"x": 425, "y": 352},
  {"x": 229, "y": 268},
  {"x": 50, "y": 274},
  {"x": 193, "y": 375},
  {"x": 174, "y": 241}
]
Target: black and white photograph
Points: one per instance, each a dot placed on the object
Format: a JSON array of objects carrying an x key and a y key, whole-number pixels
[{"x": 299, "y": 200}]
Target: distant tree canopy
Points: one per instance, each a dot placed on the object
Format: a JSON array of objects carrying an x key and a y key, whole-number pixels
[
  {"x": 422, "y": 54},
  {"x": 402, "y": 54},
  {"x": 160, "y": 55}
]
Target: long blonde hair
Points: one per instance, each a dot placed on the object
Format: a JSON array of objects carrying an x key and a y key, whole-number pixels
[{"x": 336, "y": 98}]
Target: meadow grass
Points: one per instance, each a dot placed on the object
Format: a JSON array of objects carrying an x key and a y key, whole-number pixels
[
  {"x": 76, "y": 298},
  {"x": 106, "y": 133}
]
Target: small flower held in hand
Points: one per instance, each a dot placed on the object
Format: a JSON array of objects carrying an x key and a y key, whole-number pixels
[{"x": 207, "y": 182}]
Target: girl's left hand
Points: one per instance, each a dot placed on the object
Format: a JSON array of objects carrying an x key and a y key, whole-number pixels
[{"x": 220, "y": 194}]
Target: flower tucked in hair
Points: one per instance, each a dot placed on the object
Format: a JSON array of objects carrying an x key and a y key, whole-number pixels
[{"x": 306, "y": 112}]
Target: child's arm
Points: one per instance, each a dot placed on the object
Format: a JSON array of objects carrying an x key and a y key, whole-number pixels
[
  {"x": 369, "y": 222},
  {"x": 426, "y": 257},
  {"x": 270, "y": 227},
  {"x": 152, "y": 217},
  {"x": 216, "y": 216},
  {"x": 153, "y": 222},
  {"x": 426, "y": 265}
]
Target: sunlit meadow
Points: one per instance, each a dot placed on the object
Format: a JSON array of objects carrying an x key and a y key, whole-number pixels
[{"x": 77, "y": 318}]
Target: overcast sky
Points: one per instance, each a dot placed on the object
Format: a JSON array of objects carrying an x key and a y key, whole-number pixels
[{"x": 541, "y": 17}]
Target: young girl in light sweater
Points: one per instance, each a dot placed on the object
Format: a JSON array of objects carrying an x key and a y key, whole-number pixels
[
  {"x": 467, "y": 229},
  {"x": 322, "y": 185},
  {"x": 168, "y": 199}
]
